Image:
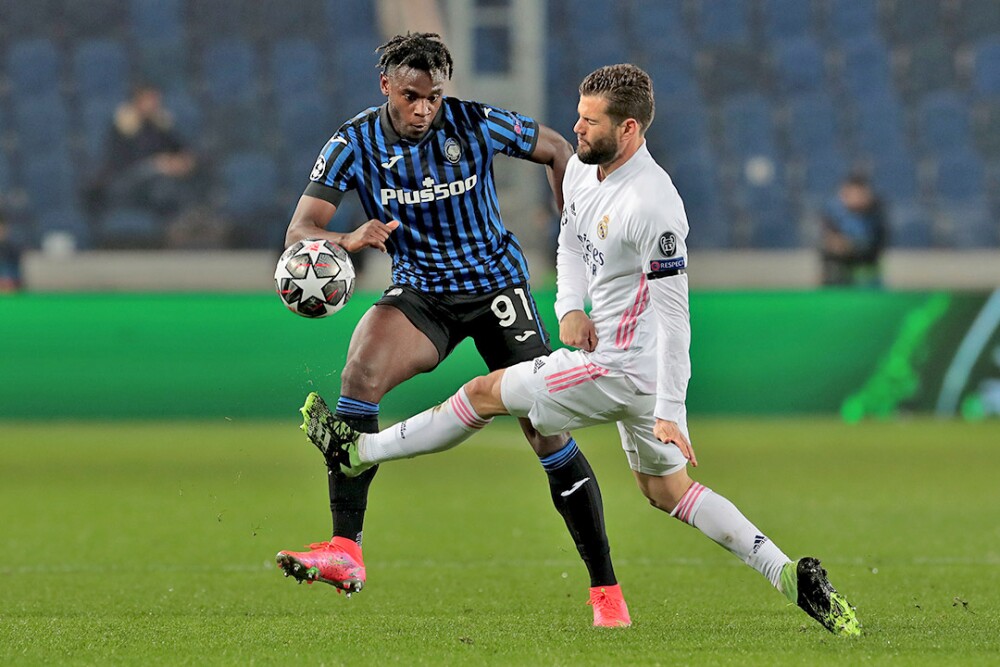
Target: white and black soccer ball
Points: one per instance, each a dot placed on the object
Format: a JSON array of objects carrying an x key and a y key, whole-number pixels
[{"x": 314, "y": 278}]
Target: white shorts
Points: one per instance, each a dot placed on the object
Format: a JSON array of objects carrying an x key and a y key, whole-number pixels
[{"x": 565, "y": 391}]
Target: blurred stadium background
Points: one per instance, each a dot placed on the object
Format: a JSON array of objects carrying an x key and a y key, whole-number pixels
[
  {"x": 174, "y": 373},
  {"x": 763, "y": 106}
]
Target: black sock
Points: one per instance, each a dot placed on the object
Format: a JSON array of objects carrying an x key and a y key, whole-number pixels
[
  {"x": 577, "y": 497},
  {"x": 349, "y": 495}
]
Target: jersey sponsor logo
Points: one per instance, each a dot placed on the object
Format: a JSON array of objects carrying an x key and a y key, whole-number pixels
[
  {"x": 452, "y": 150},
  {"x": 318, "y": 169},
  {"x": 518, "y": 127},
  {"x": 593, "y": 257},
  {"x": 668, "y": 244},
  {"x": 395, "y": 291},
  {"x": 391, "y": 161},
  {"x": 539, "y": 363},
  {"x": 657, "y": 265},
  {"x": 429, "y": 193},
  {"x": 339, "y": 140},
  {"x": 520, "y": 338},
  {"x": 602, "y": 228}
]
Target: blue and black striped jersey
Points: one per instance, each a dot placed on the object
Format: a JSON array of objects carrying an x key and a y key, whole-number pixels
[{"x": 451, "y": 237}]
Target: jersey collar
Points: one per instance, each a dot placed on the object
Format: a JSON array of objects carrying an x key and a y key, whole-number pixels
[{"x": 391, "y": 137}]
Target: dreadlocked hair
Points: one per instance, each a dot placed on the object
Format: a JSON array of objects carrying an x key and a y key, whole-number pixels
[{"x": 420, "y": 50}]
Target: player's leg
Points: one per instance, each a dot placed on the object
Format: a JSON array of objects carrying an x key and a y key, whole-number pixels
[
  {"x": 548, "y": 403},
  {"x": 436, "y": 429},
  {"x": 386, "y": 349},
  {"x": 507, "y": 330},
  {"x": 520, "y": 390},
  {"x": 661, "y": 473}
]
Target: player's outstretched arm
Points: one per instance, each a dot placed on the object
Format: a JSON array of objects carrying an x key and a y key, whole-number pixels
[
  {"x": 554, "y": 152},
  {"x": 312, "y": 215}
]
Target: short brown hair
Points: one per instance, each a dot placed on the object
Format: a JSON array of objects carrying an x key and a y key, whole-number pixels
[{"x": 628, "y": 90}]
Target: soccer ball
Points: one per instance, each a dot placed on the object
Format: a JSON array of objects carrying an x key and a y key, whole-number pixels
[{"x": 314, "y": 278}]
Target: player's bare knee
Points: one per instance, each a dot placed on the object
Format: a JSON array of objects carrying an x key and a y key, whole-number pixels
[
  {"x": 478, "y": 388},
  {"x": 660, "y": 500},
  {"x": 360, "y": 379},
  {"x": 543, "y": 444}
]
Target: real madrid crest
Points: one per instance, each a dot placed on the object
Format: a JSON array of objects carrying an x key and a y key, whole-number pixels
[
  {"x": 452, "y": 150},
  {"x": 602, "y": 228}
]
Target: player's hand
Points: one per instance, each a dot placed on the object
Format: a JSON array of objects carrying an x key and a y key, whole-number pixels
[
  {"x": 668, "y": 431},
  {"x": 372, "y": 234},
  {"x": 576, "y": 329}
]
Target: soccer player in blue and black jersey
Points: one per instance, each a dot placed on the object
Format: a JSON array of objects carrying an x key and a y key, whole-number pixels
[{"x": 422, "y": 166}]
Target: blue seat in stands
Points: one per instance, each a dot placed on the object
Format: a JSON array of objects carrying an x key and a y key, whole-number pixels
[
  {"x": 812, "y": 124},
  {"x": 910, "y": 226},
  {"x": 850, "y": 18},
  {"x": 41, "y": 125},
  {"x": 943, "y": 123},
  {"x": 296, "y": 67},
  {"x": 960, "y": 177},
  {"x": 130, "y": 228},
  {"x": 800, "y": 66},
  {"x": 230, "y": 72},
  {"x": 100, "y": 69},
  {"x": 723, "y": 22},
  {"x": 786, "y": 19},
  {"x": 250, "y": 183},
  {"x": 970, "y": 223},
  {"x": 866, "y": 65},
  {"x": 986, "y": 75},
  {"x": 33, "y": 67}
]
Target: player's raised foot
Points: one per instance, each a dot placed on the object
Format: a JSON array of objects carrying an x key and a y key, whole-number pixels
[
  {"x": 337, "y": 562},
  {"x": 332, "y": 436},
  {"x": 805, "y": 583},
  {"x": 610, "y": 610}
]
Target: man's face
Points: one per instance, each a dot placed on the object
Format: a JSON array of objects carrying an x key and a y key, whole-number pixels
[
  {"x": 597, "y": 136},
  {"x": 856, "y": 197},
  {"x": 147, "y": 102},
  {"x": 414, "y": 99}
]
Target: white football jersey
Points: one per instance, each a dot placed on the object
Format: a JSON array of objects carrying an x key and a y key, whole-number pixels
[{"x": 622, "y": 248}]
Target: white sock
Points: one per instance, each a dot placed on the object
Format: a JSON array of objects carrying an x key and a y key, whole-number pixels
[
  {"x": 719, "y": 519},
  {"x": 434, "y": 430}
]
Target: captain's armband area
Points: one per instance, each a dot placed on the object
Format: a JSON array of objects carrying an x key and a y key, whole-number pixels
[{"x": 665, "y": 268}]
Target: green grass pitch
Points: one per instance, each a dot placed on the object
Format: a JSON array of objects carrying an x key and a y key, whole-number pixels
[{"x": 146, "y": 543}]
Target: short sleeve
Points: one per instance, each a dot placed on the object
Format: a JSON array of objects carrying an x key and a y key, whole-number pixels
[
  {"x": 511, "y": 133},
  {"x": 333, "y": 173}
]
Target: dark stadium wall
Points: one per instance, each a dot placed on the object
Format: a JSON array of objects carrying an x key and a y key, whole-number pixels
[{"x": 239, "y": 356}]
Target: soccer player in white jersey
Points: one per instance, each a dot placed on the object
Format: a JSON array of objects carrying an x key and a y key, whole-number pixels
[{"x": 622, "y": 247}]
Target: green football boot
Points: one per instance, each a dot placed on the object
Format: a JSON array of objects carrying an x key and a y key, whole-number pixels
[
  {"x": 332, "y": 436},
  {"x": 805, "y": 583}
]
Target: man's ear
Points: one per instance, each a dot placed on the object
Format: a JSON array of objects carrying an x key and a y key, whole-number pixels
[{"x": 383, "y": 83}]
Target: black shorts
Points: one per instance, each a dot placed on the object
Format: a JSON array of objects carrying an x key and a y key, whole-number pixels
[{"x": 504, "y": 324}]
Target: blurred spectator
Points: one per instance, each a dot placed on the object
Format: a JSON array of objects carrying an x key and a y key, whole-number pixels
[
  {"x": 10, "y": 260},
  {"x": 148, "y": 166},
  {"x": 854, "y": 235}
]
